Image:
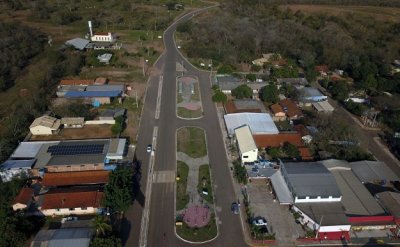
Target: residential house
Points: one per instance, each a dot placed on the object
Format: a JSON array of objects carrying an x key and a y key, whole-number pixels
[
  {"x": 322, "y": 70},
  {"x": 23, "y": 199},
  {"x": 105, "y": 58},
  {"x": 308, "y": 95},
  {"x": 74, "y": 236},
  {"x": 67, "y": 201},
  {"x": 227, "y": 83},
  {"x": 111, "y": 114},
  {"x": 295, "y": 82},
  {"x": 265, "y": 59},
  {"x": 278, "y": 114},
  {"x": 292, "y": 111},
  {"x": 247, "y": 148},
  {"x": 45, "y": 125}
]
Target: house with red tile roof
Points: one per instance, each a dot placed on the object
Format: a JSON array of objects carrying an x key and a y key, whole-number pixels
[
  {"x": 322, "y": 69},
  {"x": 23, "y": 199},
  {"x": 71, "y": 201},
  {"x": 292, "y": 111},
  {"x": 57, "y": 179},
  {"x": 278, "y": 114}
]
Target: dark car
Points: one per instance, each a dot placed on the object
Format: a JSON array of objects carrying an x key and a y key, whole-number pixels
[{"x": 235, "y": 208}]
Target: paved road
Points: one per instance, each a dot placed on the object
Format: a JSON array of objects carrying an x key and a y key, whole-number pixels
[{"x": 161, "y": 217}]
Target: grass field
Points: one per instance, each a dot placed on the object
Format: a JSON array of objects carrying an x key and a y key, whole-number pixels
[
  {"x": 205, "y": 183},
  {"x": 182, "y": 198},
  {"x": 192, "y": 141},
  {"x": 379, "y": 13},
  {"x": 208, "y": 232}
]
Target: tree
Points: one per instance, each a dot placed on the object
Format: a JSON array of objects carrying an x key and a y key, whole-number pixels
[
  {"x": 119, "y": 191},
  {"x": 118, "y": 127},
  {"x": 340, "y": 90},
  {"x": 219, "y": 96},
  {"x": 106, "y": 242},
  {"x": 240, "y": 172},
  {"x": 269, "y": 93},
  {"x": 251, "y": 77},
  {"x": 242, "y": 92},
  {"x": 101, "y": 225},
  {"x": 290, "y": 150}
]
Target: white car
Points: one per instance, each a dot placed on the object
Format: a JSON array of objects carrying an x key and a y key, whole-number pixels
[
  {"x": 259, "y": 221},
  {"x": 149, "y": 148}
]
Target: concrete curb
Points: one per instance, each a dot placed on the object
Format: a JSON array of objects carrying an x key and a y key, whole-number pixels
[
  {"x": 211, "y": 178},
  {"x": 201, "y": 102}
]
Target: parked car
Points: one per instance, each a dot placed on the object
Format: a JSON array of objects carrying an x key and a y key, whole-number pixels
[
  {"x": 235, "y": 208},
  {"x": 259, "y": 221},
  {"x": 70, "y": 218},
  {"x": 149, "y": 148}
]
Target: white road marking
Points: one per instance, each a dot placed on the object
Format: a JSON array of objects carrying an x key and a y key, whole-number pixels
[
  {"x": 160, "y": 83},
  {"x": 144, "y": 227}
]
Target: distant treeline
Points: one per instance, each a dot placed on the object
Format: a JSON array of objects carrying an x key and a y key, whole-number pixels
[
  {"x": 381, "y": 3},
  {"x": 18, "y": 44}
]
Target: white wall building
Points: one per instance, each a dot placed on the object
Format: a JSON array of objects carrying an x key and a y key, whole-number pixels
[
  {"x": 45, "y": 125},
  {"x": 247, "y": 147},
  {"x": 103, "y": 37}
]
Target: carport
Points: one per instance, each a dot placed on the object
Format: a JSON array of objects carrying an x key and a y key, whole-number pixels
[{"x": 281, "y": 190}]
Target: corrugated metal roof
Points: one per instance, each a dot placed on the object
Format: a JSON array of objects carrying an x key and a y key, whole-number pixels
[
  {"x": 29, "y": 149},
  {"x": 281, "y": 189},
  {"x": 89, "y": 94},
  {"x": 105, "y": 88},
  {"x": 245, "y": 139},
  {"x": 259, "y": 123},
  {"x": 371, "y": 171},
  {"x": 18, "y": 164},
  {"x": 326, "y": 213},
  {"x": 64, "y": 237},
  {"x": 310, "y": 179},
  {"x": 323, "y": 106},
  {"x": 78, "y": 43}
]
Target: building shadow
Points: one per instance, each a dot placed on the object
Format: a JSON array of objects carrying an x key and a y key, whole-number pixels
[
  {"x": 136, "y": 188},
  {"x": 125, "y": 228},
  {"x": 375, "y": 242}
]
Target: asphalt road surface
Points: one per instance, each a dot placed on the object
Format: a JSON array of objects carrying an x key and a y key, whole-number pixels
[{"x": 161, "y": 218}]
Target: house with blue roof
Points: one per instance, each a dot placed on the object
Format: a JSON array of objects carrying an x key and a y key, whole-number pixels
[{"x": 97, "y": 95}]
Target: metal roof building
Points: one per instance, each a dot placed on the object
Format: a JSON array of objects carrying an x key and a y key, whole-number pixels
[
  {"x": 281, "y": 189},
  {"x": 64, "y": 237},
  {"x": 245, "y": 139},
  {"x": 323, "y": 107},
  {"x": 310, "y": 182},
  {"x": 373, "y": 171},
  {"x": 92, "y": 94},
  {"x": 259, "y": 123},
  {"x": 356, "y": 199},
  {"x": 105, "y": 88},
  {"x": 77, "y": 43}
]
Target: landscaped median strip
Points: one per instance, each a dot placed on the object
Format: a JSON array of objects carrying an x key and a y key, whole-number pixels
[
  {"x": 195, "y": 211},
  {"x": 188, "y": 98}
]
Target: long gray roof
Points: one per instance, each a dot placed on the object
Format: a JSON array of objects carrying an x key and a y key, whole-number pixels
[
  {"x": 370, "y": 171},
  {"x": 326, "y": 213},
  {"x": 310, "y": 179},
  {"x": 78, "y": 43},
  {"x": 64, "y": 237}
]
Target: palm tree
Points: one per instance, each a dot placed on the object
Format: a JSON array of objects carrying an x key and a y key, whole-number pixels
[{"x": 101, "y": 225}]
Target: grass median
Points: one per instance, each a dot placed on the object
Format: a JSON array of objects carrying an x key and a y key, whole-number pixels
[
  {"x": 182, "y": 198},
  {"x": 204, "y": 184},
  {"x": 186, "y": 113},
  {"x": 192, "y": 141}
]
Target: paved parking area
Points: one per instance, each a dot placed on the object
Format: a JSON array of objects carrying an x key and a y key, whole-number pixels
[{"x": 280, "y": 220}]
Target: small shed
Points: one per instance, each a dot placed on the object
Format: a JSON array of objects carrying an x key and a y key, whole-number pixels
[
  {"x": 45, "y": 125},
  {"x": 73, "y": 122},
  {"x": 323, "y": 107},
  {"x": 104, "y": 58},
  {"x": 77, "y": 43},
  {"x": 278, "y": 114}
]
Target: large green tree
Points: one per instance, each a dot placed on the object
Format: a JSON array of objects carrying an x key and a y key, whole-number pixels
[
  {"x": 269, "y": 93},
  {"x": 119, "y": 190},
  {"x": 242, "y": 92}
]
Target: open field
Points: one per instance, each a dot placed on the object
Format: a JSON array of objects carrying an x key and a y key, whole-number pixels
[{"x": 379, "y": 13}]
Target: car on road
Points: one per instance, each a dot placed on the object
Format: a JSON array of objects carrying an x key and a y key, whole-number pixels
[
  {"x": 149, "y": 148},
  {"x": 235, "y": 208},
  {"x": 71, "y": 218},
  {"x": 259, "y": 221}
]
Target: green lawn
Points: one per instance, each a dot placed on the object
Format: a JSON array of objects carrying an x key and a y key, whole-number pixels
[
  {"x": 208, "y": 232},
  {"x": 192, "y": 141},
  {"x": 185, "y": 113},
  {"x": 182, "y": 198},
  {"x": 205, "y": 183}
]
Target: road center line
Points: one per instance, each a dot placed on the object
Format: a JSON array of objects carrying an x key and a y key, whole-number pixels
[
  {"x": 144, "y": 227},
  {"x": 159, "y": 97}
]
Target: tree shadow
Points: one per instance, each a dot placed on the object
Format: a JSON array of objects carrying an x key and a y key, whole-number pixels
[
  {"x": 375, "y": 242},
  {"x": 125, "y": 228},
  {"x": 136, "y": 188}
]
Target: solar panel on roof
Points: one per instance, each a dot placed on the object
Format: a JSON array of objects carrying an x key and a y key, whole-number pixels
[{"x": 76, "y": 149}]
